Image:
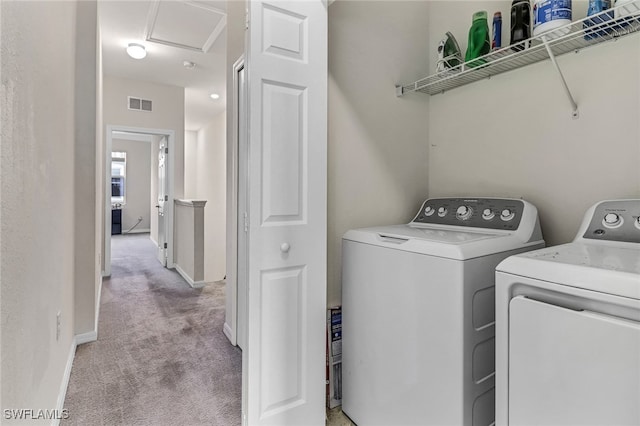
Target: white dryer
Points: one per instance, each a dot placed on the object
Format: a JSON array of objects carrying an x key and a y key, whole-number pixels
[
  {"x": 568, "y": 326},
  {"x": 418, "y": 311}
]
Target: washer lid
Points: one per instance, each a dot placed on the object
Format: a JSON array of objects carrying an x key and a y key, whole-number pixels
[
  {"x": 450, "y": 242},
  {"x": 605, "y": 269}
]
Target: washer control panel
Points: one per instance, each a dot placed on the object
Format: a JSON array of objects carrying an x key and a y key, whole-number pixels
[
  {"x": 490, "y": 213},
  {"x": 617, "y": 220}
]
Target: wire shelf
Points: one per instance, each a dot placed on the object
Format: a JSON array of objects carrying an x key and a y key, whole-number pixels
[{"x": 573, "y": 37}]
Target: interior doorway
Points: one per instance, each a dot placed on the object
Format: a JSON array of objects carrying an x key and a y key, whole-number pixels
[{"x": 161, "y": 212}]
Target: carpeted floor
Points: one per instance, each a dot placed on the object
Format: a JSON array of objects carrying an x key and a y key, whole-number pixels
[{"x": 161, "y": 357}]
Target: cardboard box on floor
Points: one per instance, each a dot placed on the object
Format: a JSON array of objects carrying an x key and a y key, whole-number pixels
[{"x": 334, "y": 357}]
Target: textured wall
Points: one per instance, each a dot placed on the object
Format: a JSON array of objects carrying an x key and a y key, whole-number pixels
[{"x": 37, "y": 215}]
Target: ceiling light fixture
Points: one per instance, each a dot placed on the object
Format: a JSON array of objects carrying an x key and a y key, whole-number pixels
[
  {"x": 189, "y": 65},
  {"x": 136, "y": 51},
  {"x": 214, "y": 96}
]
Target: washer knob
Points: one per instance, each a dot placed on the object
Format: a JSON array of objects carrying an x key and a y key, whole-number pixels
[
  {"x": 464, "y": 212},
  {"x": 429, "y": 211},
  {"x": 442, "y": 211},
  {"x": 488, "y": 214},
  {"x": 507, "y": 215},
  {"x": 612, "y": 220}
]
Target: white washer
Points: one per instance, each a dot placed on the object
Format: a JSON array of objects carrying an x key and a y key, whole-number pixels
[
  {"x": 418, "y": 311},
  {"x": 568, "y": 326}
]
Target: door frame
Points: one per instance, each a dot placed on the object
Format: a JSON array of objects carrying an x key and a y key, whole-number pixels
[
  {"x": 170, "y": 134},
  {"x": 233, "y": 226}
]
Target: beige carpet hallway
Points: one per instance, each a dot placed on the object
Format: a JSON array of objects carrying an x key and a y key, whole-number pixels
[{"x": 161, "y": 357}]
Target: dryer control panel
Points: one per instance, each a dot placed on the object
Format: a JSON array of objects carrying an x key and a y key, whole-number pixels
[
  {"x": 617, "y": 220},
  {"x": 490, "y": 213}
]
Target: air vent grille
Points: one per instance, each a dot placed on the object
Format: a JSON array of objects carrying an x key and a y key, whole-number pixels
[{"x": 138, "y": 104}]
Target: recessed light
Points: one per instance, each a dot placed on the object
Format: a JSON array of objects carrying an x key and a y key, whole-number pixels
[
  {"x": 214, "y": 96},
  {"x": 136, "y": 50}
]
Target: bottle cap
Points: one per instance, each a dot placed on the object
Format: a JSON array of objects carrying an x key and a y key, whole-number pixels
[
  {"x": 480, "y": 15},
  {"x": 497, "y": 15}
]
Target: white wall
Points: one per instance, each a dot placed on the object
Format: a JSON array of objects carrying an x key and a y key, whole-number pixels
[
  {"x": 209, "y": 163},
  {"x": 86, "y": 265},
  {"x": 39, "y": 221},
  {"x": 513, "y": 135},
  {"x": 168, "y": 114},
  {"x": 190, "y": 159},
  {"x": 378, "y": 151},
  {"x": 99, "y": 173},
  {"x": 138, "y": 183}
]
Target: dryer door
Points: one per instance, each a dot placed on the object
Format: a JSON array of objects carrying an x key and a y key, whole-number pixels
[{"x": 569, "y": 367}]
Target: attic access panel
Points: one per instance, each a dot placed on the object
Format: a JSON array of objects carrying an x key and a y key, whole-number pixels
[{"x": 191, "y": 25}]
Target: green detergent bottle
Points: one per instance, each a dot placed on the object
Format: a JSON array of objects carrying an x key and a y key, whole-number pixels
[{"x": 479, "y": 43}]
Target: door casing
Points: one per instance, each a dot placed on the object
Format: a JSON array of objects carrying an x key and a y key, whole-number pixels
[{"x": 170, "y": 134}]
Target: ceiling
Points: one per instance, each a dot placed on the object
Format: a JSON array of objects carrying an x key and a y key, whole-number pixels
[{"x": 173, "y": 31}]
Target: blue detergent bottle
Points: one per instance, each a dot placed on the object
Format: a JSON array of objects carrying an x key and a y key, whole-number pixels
[{"x": 597, "y": 7}]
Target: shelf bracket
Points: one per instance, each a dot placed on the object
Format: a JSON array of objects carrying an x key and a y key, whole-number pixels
[
  {"x": 574, "y": 106},
  {"x": 399, "y": 91}
]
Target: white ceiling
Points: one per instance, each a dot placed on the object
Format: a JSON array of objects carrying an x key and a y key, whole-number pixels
[{"x": 173, "y": 31}]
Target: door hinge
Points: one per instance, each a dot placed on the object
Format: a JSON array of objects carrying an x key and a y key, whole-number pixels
[
  {"x": 166, "y": 150},
  {"x": 166, "y": 198},
  {"x": 246, "y": 222},
  {"x": 246, "y": 20},
  {"x": 165, "y": 245}
]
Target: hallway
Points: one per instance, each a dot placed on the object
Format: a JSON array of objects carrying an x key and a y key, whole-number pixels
[{"x": 161, "y": 357}]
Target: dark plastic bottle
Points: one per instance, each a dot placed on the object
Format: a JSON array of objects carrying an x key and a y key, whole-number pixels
[{"x": 520, "y": 23}]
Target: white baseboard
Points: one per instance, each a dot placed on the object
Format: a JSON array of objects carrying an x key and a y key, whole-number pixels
[
  {"x": 228, "y": 332},
  {"x": 98, "y": 307},
  {"x": 139, "y": 231},
  {"x": 188, "y": 279},
  {"x": 65, "y": 381},
  {"x": 91, "y": 336}
]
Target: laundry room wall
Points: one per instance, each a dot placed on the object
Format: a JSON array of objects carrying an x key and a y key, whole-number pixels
[
  {"x": 377, "y": 147},
  {"x": 137, "y": 183},
  {"x": 513, "y": 135}
]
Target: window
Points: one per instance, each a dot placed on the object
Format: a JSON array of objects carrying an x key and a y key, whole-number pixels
[{"x": 118, "y": 175}]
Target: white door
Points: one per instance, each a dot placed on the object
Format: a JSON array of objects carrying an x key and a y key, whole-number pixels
[
  {"x": 162, "y": 198},
  {"x": 284, "y": 361}
]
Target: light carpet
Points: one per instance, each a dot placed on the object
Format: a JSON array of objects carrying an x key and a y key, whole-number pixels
[{"x": 161, "y": 357}]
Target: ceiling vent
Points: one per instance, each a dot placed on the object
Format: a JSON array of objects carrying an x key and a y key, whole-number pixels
[{"x": 138, "y": 104}]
